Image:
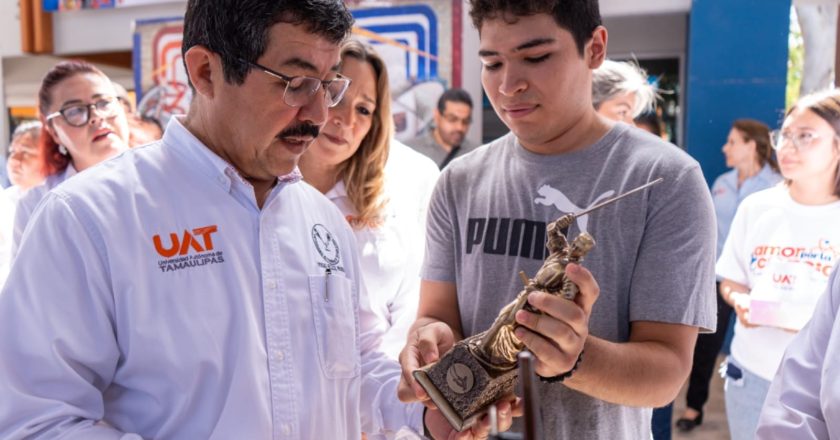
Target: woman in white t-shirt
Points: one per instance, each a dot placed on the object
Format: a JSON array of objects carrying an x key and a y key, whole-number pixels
[
  {"x": 381, "y": 186},
  {"x": 781, "y": 248}
]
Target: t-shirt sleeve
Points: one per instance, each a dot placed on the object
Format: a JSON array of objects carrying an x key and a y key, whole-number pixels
[
  {"x": 439, "y": 262},
  {"x": 673, "y": 280},
  {"x": 734, "y": 258}
]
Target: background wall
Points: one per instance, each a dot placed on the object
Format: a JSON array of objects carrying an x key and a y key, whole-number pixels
[{"x": 737, "y": 68}]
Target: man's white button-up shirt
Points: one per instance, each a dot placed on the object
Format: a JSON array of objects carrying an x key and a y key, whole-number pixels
[{"x": 152, "y": 297}]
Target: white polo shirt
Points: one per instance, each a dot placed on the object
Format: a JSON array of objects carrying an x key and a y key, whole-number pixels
[{"x": 152, "y": 296}]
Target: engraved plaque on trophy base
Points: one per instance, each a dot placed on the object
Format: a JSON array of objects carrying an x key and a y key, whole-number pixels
[{"x": 463, "y": 387}]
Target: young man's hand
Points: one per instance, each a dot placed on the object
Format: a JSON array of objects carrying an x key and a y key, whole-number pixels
[
  {"x": 556, "y": 337},
  {"x": 425, "y": 345},
  {"x": 507, "y": 408}
]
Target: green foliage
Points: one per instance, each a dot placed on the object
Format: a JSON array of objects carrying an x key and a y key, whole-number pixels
[{"x": 796, "y": 60}]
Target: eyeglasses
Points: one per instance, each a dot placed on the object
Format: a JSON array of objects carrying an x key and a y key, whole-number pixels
[
  {"x": 300, "y": 89},
  {"x": 801, "y": 140},
  {"x": 78, "y": 115},
  {"x": 453, "y": 119}
]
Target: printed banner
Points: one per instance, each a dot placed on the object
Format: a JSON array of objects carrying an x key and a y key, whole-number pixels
[
  {"x": 419, "y": 41},
  {"x": 410, "y": 38},
  {"x": 160, "y": 78},
  {"x": 72, "y": 5}
]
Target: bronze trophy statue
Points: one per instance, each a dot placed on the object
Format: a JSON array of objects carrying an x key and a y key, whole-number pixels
[{"x": 479, "y": 370}]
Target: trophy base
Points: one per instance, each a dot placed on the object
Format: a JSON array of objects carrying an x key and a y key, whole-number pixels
[{"x": 462, "y": 387}]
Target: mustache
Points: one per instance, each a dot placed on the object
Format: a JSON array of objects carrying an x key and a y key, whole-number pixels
[{"x": 304, "y": 129}]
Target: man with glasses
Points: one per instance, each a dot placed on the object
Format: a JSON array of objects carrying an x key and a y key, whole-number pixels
[
  {"x": 196, "y": 287},
  {"x": 447, "y": 139}
]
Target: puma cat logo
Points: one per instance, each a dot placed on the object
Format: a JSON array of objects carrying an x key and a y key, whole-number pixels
[{"x": 550, "y": 196}]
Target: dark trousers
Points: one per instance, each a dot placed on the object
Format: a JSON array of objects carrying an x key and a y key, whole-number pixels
[
  {"x": 705, "y": 357},
  {"x": 660, "y": 424}
]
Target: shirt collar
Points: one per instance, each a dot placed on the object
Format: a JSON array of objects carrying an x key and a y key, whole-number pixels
[
  {"x": 209, "y": 163},
  {"x": 69, "y": 172},
  {"x": 55, "y": 179},
  {"x": 766, "y": 172},
  {"x": 339, "y": 190}
]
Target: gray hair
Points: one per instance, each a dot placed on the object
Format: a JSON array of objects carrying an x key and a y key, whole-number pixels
[
  {"x": 616, "y": 78},
  {"x": 32, "y": 128}
]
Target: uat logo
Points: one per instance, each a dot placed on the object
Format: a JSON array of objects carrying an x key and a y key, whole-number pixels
[{"x": 199, "y": 240}]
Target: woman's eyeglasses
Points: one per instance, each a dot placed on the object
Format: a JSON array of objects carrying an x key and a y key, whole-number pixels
[
  {"x": 77, "y": 115},
  {"x": 801, "y": 140}
]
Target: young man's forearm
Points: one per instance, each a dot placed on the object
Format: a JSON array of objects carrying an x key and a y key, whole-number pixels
[{"x": 647, "y": 373}]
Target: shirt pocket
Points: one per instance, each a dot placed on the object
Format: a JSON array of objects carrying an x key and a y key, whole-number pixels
[{"x": 336, "y": 328}]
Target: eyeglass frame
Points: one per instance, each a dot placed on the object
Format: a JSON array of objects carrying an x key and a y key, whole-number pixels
[
  {"x": 87, "y": 107},
  {"x": 778, "y": 146},
  {"x": 454, "y": 119},
  {"x": 324, "y": 84}
]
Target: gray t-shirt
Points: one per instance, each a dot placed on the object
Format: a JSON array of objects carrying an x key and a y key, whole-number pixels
[
  {"x": 426, "y": 145},
  {"x": 653, "y": 258}
]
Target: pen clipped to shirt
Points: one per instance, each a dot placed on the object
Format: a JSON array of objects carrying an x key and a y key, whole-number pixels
[{"x": 327, "y": 284}]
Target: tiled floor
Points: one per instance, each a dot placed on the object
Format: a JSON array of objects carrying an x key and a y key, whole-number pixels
[{"x": 714, "y": 425}]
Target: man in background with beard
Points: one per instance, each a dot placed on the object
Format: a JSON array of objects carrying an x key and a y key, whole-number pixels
[{"x": 447, "y": 139}]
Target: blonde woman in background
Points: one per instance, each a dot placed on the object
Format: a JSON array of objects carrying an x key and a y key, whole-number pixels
[{"x": 380, "y": 185}]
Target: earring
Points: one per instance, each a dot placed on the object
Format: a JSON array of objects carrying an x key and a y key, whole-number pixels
[{"x": 63, "y": 150}]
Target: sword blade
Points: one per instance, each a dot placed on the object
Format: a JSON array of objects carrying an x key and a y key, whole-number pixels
[{"x": 618, "y": 197}]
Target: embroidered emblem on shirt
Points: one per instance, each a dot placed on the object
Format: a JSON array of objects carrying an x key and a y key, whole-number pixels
[
  {"x": 327, "y": 247},
  {"x": 551, "y": 196},
  {"x": 188, "y": 249}
]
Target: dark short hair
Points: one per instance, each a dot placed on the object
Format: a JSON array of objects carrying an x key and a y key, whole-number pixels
[
  {"x": 238, "y": 29},
  {"x": 579, "y": 17},
  {"x": 454, "y": 95}
]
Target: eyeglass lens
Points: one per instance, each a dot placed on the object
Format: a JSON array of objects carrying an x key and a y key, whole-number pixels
[
  {"x": 301, "y": 88},
  {"x": 797, "y": 140},
  {"x": 79, "y": 115}
]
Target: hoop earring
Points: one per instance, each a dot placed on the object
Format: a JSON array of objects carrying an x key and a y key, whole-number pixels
[{"x": 62, "y": 150}]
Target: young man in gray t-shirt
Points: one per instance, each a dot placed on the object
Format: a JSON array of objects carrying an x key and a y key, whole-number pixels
[{"x": 651, "y": 271}]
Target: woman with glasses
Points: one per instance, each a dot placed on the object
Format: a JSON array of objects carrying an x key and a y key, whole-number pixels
[
  {"x": 381, "y": 186},
  {"x": 749, "y": 153},
  {"x": 83, "y": 124},
  {"x": 781, "y": 248}
]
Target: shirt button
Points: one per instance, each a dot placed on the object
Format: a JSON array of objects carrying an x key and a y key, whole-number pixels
[
  {"x": 286, "y": 429},
  {"x": 271, "y": 284},
  {"x": 279, "y": 355}
]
